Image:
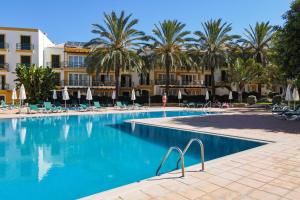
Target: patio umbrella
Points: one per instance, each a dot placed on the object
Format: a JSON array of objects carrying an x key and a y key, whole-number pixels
[
  {"x": 230, "y": 97},
  {"x": 22, "y": 95},
  {"x": 133, "y": 98},
  {"x": 78, "y": 96},
  {"x": 14, "y": 96},
  {"x": 54, "y": 95},
  {"x": 288, "y": 94},
  {"x": 65, "y": 95},
  {"x": 89, "y": 96},
  {"x": 295, "y": 96},
  {"x": 23, "y": 135},
  {"x": 179, "y": 96},
  {"x": 207, "y": 95},
  {"x": 43, "y": 165},
  {"x": 113, "y": 96}
]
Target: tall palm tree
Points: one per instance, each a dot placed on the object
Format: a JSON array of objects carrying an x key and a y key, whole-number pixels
[
  {"x": 115, "y": 47},
  {"x": 257, "y": 40},
  {"x": 169, "y": 47},
  {"x": 212, "y": 43}
]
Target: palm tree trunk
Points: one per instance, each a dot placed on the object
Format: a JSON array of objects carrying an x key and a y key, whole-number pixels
[
  {"x": 213, "y": 85},
  {"x": 117, "y": 81},
  {"x": 167, "y": 75}
]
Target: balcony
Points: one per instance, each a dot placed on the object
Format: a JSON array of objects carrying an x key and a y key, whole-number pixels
[
  {"x": 24, "y": 46},
  {"x": 101, "y": 83},
  {"x": 164, "y": 81},
  {"x": 4, "y": 45},
  {"x": 74, "y": 64},
  {"x": 191, "y": 83},
  {"x": 55, "y": 64},
  {"x": 4, "y": 66}
]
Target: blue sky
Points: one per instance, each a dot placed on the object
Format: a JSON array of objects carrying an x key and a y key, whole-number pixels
[{"x": 70, "y": 20}]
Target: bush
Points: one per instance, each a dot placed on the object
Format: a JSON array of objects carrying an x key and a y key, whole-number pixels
[
  {"x": 277, "y": 99},
  {"x": 251, "y": 100}
]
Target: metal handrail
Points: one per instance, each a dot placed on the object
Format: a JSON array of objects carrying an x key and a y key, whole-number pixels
[
  {"x": 167, "y": 155},
  {"x": 201, "y": 148}
]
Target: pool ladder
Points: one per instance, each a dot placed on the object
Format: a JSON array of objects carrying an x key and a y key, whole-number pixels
[{"x": 182, "y": 153}]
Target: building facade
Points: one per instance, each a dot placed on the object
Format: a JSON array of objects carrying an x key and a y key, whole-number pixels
[{"x": 32, "y": 46}]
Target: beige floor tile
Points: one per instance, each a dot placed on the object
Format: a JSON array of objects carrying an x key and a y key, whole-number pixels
[
  {"x": 230, "y": 176},
  {"x": 137, "y": 195},
  {"x": 173, "y": 196},
  {"x": 240, "y": 188},
  {"x": 250, "y": 182},
  {"x": 283, "y": 184},
  {"x": 274, "y": 189},
  {"x": 155, "y": 191},
  {"x": 192, "y": 193},
  {"x": 224, "y": 194},
  {"x": 241, "y": 172},
  {"x": 208, "y": 187},
  {"x": 220, "y": 181},
  {"x": 294, "y": 195},
  {"x": 174, "y": 185},
  {"x": 261, "y": 195},
  {"x": 261, "y": 178}
]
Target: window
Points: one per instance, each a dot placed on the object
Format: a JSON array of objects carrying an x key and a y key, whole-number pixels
[
  {"x": 25, "y": 43},
  {"x": 207, "y": 80},
  {"x": 162, "y": 79},
  {"x": 57, "y": 79},
  {"x": 223, "y": 76},
  {"x": 76, "y": 61},
  {"x": 126, "y": 81},
  {"x": 78, "y": 80},
  {"x": 188, "y": 79},
  {"x": 26, "y": 60},
  {"x": 104, "y": 79},
  {"x": 2, "y": 82},
  {"x": 2, "y": 61},
  {"x": 55, "y": 61},
  {"x": 144, "y": 79},
  {"x": 2, "y": 41}
]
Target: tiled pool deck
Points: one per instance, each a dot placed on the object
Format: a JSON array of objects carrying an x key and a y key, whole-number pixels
[{"x": 268, "y": 172}]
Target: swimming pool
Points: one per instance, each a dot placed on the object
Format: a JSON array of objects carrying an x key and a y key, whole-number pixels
[{"x": 68, "y": 157}]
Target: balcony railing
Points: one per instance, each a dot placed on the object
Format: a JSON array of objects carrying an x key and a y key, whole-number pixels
[
  {"x": 164, "y": 81},
  {"x": 74, "y": 64},
  {"x": 55, "y": 64},
  {"x": 4, "y": 66},
  {"x": 4, "y": 45},
  {"x": 191, "y": 83},
  {"x": 24, "y": 46},
  {"x": 127, "y": 84},
  {"x": 101, "y": 83},
  {"x": 86, "y": 83}
]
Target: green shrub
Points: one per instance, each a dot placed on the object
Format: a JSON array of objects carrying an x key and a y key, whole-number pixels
[
  {"x": 251, "y": 100},
  {"x": 277, "y": 99}
]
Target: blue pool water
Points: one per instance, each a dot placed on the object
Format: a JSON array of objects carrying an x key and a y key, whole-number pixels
[{"x": 75, "y": 156}]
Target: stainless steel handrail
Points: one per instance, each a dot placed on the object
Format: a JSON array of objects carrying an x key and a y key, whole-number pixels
[
  {"x": 201, "y": 148},
  {"x": 167, "y": 155}
]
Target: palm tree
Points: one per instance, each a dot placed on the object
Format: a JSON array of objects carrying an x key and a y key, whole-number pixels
[
  {"x": 169, "y": 47},
  {"x": 212, "y": 43},
  {"x": 115, "y": 47},
  {"x": 257, "y": 40}
]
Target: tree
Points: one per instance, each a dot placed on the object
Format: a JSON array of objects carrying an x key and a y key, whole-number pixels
[
  {"x": 243, "y": 72},
  {"x": 169, "y": 47},
  {"x": 213, "y": 42},
  {"x": 287, "y": 43},
  {"x": 38, "y": 81},
  {"x": 257, "y": 42},
  {"x": 115, "y": 47}
]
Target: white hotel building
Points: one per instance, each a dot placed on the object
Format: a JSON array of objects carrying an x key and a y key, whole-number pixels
[{"x": 32, "y": 46}]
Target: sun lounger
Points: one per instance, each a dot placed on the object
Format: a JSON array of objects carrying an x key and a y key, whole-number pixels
[
  {"x": 97, "y": 106},
  {"x": 49, "y": 108},
  {"x": 83, "y": 108},
  {"x": 121, "y": 106},
  {"x": 33, "y": 108}
]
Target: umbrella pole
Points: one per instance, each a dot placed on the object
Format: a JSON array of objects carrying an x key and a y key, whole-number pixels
[{"x": 65, "y": 104}]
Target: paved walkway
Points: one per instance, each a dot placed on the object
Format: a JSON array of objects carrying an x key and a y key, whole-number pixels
[{"x": 267, "y": 172}]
